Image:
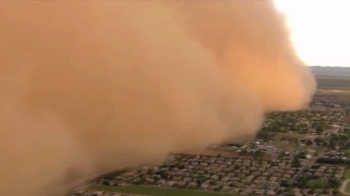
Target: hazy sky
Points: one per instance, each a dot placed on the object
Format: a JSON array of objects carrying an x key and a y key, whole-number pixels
[{"x": 320, "y": 30}]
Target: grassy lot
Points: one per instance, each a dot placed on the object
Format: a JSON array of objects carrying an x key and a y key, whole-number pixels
[
  {"x": 316, "y": 184},
  {"x": 153, "y": 191},
  {"x": 301, "y": 148},
  {"x": 291, "y": 145},
  {"x": 275, "y": 142},
  {"x": 320, "y": 149},
  {"x": 347, "y": 174},
  {"x": 347, "y": 189},
  {"x": 290, "y": 134},
  {"x": 284, "y": 146}
]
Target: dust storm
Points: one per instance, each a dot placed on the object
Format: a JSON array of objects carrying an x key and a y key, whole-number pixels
[{"x": 91, "y": 86}]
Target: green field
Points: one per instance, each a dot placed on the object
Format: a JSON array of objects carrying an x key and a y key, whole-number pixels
[{"x": 153, "y": 191}]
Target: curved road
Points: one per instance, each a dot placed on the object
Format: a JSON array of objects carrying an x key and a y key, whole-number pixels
[{"x": 343, "y": 187}]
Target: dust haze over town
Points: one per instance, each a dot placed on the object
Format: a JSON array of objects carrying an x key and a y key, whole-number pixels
[{"x": 91, "y": 86}]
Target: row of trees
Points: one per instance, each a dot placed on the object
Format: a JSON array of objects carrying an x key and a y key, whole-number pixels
[{"x": 336, "y": 161}]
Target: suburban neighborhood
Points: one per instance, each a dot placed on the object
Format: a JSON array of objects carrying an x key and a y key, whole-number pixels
[{"x": 303, "y": 153}]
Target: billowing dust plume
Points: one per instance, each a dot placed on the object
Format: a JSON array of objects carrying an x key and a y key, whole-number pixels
[{"x": 91, "y": 86}]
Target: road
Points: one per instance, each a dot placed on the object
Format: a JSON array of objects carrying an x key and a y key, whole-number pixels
[
  {"x": 343, "y": 187},
  {"x": 306, "y": 166}
]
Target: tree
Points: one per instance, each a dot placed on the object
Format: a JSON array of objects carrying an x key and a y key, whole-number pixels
[
  {"x": 285, "y": 183},
  {"x": 150, "y": 171},
  {"x": 163, "y": 174},
  {"x": 333, "y": 183},
  {"x": 243, "y": 152},
  {"x": 199, "y": 182},
  {"x": 309, "y": 142}
]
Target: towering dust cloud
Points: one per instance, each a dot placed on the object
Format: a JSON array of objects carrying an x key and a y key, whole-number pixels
[{"x": 88, "y": 86}]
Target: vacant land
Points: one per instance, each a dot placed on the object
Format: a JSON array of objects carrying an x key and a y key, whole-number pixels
[
  {"x": 340, "y": 72},
  {"x": 333, "y": 83},
  {"x": 332, "y": 78},
  {"x": 153, "y": 191},
  {"x": 333, "y": 86},
  {"x": 344, "y": 94}
]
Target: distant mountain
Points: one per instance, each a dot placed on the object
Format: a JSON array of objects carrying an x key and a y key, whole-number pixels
[{"x": 331, "y": 71}]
